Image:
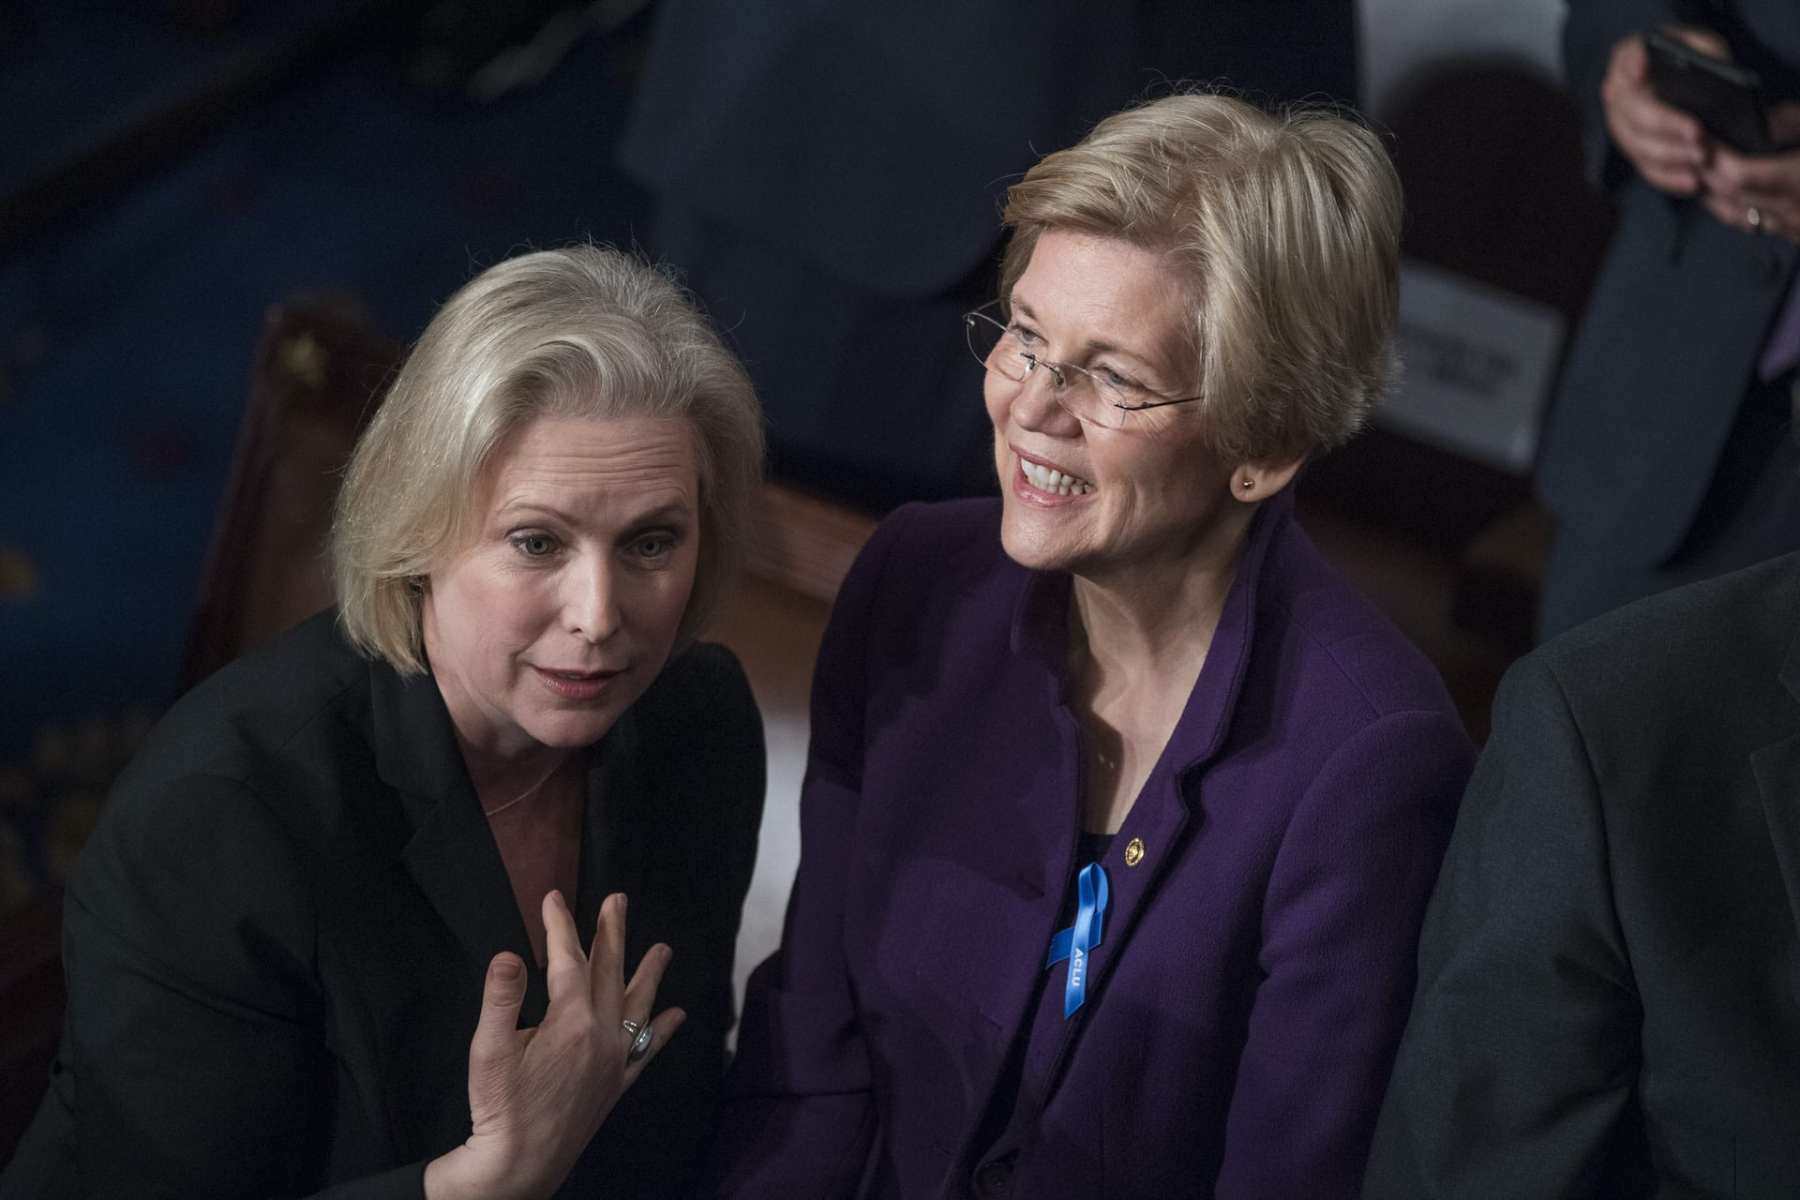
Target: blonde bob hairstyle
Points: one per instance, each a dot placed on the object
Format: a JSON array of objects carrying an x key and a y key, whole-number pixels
[
  {"x": 585, "y": 332},
  {"x": 1283, "y": 232}
]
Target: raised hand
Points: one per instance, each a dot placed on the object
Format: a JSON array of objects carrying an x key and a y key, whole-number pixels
[{"x": 537, "y": 1096}]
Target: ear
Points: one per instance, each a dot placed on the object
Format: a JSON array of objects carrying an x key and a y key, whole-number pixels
[{"x": 1252, "y": 483}]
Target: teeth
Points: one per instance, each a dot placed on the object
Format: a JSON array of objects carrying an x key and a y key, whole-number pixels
[{"x": 1049, "y": 479}]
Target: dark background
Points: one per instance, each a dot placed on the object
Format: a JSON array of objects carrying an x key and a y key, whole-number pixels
[{"x": 170, "y": 170}]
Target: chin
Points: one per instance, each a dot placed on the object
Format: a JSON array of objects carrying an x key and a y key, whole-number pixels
[
  {"x": 1031, "y": 549},
  {"x": 567, "y": 732}
]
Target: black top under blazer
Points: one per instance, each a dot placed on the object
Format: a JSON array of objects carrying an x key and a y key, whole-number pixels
[{"x": 277, "y": 937}]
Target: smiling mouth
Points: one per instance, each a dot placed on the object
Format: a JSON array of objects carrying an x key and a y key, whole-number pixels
[{"x": 1049, "y": 479}]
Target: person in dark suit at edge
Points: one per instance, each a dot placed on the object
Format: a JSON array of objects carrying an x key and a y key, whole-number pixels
[
  {"x": 1608, "y": 1001},
  {"x": 1670, "y": 453},
  {"x": 337, "y": 857}
]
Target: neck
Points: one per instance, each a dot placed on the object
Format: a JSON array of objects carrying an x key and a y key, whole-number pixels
[
  {"x": 1137, "y": 644},
  {"x": 502, "y": 779},
  {"x": 1154, "y": 620}
]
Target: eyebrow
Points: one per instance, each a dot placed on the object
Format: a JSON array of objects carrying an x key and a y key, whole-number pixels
[
  {"x": 673, "y": 511},
  {"x": 1101, "y": 345}
]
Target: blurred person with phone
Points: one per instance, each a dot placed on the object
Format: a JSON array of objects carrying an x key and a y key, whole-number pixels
[{"x": 1669, "y": 456}]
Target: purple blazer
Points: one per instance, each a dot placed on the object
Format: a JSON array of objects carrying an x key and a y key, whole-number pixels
[{"x": 1244, "y": 1007}]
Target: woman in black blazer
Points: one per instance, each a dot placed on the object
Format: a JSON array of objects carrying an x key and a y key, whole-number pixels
[{"x": 341, "y": 854}]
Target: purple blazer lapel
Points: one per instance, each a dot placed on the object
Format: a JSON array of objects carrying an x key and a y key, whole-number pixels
[{"x": 1150, "y": 839}]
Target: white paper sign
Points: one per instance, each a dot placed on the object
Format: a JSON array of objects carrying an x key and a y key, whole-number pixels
[{"x": 1477, "y": 364}]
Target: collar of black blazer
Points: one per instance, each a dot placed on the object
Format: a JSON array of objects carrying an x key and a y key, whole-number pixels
[{"x": 451, "y": 853}]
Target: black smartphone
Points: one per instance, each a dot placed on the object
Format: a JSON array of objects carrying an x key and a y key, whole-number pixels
[{"x": 1727, "y": 98}]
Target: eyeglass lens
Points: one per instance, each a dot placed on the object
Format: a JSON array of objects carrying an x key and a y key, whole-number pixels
[{"x": 1083, "y": 394}]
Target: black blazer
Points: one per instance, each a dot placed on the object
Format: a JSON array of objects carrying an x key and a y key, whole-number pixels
[
  {"x": 1609, "y": 976},
  {"x": 276, "y": 939},
  {"x": 1670, "y": 341}
]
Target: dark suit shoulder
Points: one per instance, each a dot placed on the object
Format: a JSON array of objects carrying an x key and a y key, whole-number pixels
[
  {"x": 279, "y": 737},
  {"x": 254, "y": 706},
  {"x": 1685, "y": 655}
]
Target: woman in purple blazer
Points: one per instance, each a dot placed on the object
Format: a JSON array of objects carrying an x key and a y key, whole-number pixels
[{"x": 1122, "y": 808}]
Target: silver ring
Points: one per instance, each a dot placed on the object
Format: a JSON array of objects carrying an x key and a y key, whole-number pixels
[
  {"x": 1753, "y": 217},
  {"x": 640, "y": 1042},
  {"x": 631, "y": 1027}
]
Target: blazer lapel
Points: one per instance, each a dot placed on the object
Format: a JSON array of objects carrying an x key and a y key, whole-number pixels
[
  {"x": 608, "y": 850},
  {"x": 451, "y": 853},
  {"x": 1777, "y": 770},
  {"x": 1149, "y": 841}
]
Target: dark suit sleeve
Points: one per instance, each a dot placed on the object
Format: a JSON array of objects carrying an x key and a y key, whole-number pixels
[
  {"x": 1340, "y": 930},
  {"x": 800, "y": 1116},
  {"x": 195, "y": 1031},
  {"x": 1520, "y": 1056}
]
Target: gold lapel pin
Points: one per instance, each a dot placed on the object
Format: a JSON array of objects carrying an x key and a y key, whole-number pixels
[{"x": 1134, "y": 852}]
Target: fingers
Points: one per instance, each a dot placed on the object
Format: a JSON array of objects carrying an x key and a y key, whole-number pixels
[
  {"x": 640, "y": 993},
  {"x": 616, "y": 1002},
  {"x": 663, "y": 1028},
  {"x": 1629, "y": 63},
  {"x": 640, "y": 998},
  {"x": 606, "y": 969},
  {"x": 1782, "y": 222},
  {"x": 1784, "y": 123},
  {"x": 1728, "y": 212},
  {"x": 565, "y": 972},
  {"x": 1775, "y": 220},
  {"x": 1667, "y": 146},
  {"x": 1755, "y": 194},
  {"x": 1704, "y": 40},
  {"x": 1768, "y": 178},
  {"x": 601, "y": 986},
  {"x": 496, "y": 1043}
]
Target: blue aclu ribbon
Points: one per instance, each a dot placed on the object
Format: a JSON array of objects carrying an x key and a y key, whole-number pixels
[{"x": 1079, "y": 939}]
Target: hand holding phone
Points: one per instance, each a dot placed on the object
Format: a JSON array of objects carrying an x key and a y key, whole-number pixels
[
  {"x": 1667, "y": 146},
  {"x": 1676, "y": 153},
  {"x": 1758, "y": 194},
  {"x": 1725, "y": 98}
]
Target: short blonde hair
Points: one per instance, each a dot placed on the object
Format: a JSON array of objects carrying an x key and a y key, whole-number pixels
[
  {"x": 585, "y": 331},
  {"x": 1283, "y": 231}
]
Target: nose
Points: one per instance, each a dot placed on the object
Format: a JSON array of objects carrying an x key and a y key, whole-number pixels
[
  {"x": 1038, "y": 403},
  {"x": 590, "y": 600}
]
